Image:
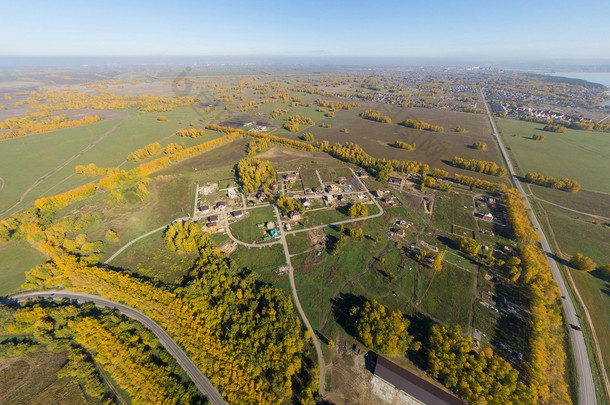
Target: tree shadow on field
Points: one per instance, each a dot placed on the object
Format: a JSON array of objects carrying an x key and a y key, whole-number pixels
[
  {"x": 559, "y": 260},
  {"x": 602, "y": 275},
  {"x": 341, "y": 307}
]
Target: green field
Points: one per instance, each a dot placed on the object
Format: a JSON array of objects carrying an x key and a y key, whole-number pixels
[
  {"x": 590, "y": 239},
  {"x": 117, "y": 138},
  {"x": 32, "y": 378},
  {"x": 583, "y": 156},
  {"x": 246, "y": 230},
  {"x": 150, "y": 258},
  {"x": 15, "y": 259}
]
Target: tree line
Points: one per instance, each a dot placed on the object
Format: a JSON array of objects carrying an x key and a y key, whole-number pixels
[
  {"x": 190, "y": 132},
  {"x": 480, "y": 166},
  {"x": 563, "y": 184},
  {"x": 337, "y": 105},
  {"x": 496, "y": 188},
  {"x": 404, "y": 145},
  {"x": 375, "y": 115},
  {"x": 20, "y": 126},
  {"x": 422, "y": 125},
  {"x": 126, "y": 350},
  {"x": 546, "y": 357},
  {"x": 149, "y": 150}
]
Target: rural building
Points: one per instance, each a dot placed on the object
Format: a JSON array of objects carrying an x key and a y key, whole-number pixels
[
  {"x": 361, "y": 196},
  {"x": 275, "y": 185},
  {"x": 221, "y": 205},
  {"x": 488, "y": 217},
  {"x": 291, "y": 177},
  {"x": 362, "y": 174},
  {"x": 317, "y": 190},
  {"x": 209, "y": 188},
  {"x": 397, "y": 181},
  {"x": 213, "y": 218},
  {"x": 270, "y": 225},
  {"x": 261, "y": 196},
  {"x": 417, "y": 390},
  {"x": 204, "y": 209},
  {"x": 231, "y": 192},
  {"x": 294, "y": 215},
  {"x": 274, "y": 233},
  {"x": 306, "y": 203},
  {"x": 238, "y": 214},
  {"x": 403, "y": 223},
  {"x": 401, "y": 233},
  {"x": 340, "y": 198}
]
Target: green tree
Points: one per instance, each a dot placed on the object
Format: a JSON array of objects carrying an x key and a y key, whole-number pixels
[
  {"x": 382, "y": 329},
  {"x": 358, "y": 210},
  {"x": 582, "y": 262}
]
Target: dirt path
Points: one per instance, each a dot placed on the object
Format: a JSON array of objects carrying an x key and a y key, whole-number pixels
[
  {"x": 570, "y": 209},
  {"x": 61, "y": 166},
  {"x": 1, "y": 183}
]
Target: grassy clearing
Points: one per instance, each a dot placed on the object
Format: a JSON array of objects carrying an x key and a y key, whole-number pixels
[
  {"x": 246, "y": 230},
  {"x": 584, "y": 201},
  {"x": 32, "y": 379},
  {"x": 26, "y": 159},
  {"x": 580, "y": 155},
  {"x": 264, "y": 262},
  {"x": 447, "y": 294},
  {"x": 150, "y": 258},
  {"x": 15, "y": 259},
  {"x": 450, "y": 210},
  {"x": 134, "y": 131},
  {"x": 326, "y": 216},
  {"x": 298, "y": 242}
]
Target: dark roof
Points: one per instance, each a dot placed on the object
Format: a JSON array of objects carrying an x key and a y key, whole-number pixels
[
  {"x": 413, "y": 385},
  {"x": 213, "y": 218}
]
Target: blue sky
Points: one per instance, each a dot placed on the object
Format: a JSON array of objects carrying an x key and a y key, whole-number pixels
[{"x": 439, "y": 29}]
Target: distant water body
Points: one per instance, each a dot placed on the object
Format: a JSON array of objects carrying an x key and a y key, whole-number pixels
[{"x": 593, "y": 77}]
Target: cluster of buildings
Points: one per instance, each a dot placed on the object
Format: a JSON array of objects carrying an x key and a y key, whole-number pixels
[{"x": 520, "y": 111}]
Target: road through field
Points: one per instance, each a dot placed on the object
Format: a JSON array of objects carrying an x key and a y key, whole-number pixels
[
  {"x": 61, "y": 166},
  {"x": 200, "y": 380},
  {"x": 586, "y": 387}
]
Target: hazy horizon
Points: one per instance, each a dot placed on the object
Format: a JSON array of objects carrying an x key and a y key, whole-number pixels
[{"x": 470, "y": 31}]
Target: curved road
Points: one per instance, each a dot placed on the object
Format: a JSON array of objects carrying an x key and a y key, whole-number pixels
[
  {"x": 586, "y": 387},
  {"x": 200, "y": 380}
]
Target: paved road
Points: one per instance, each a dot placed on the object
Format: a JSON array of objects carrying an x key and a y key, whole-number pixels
[
  {"x": 200, "y": 380},
  {"x": 586, "y": 388}
]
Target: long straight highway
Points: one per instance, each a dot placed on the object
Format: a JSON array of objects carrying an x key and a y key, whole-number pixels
[{"x": 586, "y": 387}]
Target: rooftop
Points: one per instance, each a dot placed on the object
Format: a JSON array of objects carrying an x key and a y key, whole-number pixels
[{"x": 413, "y": 385}]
